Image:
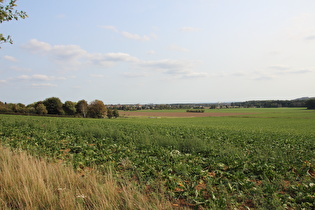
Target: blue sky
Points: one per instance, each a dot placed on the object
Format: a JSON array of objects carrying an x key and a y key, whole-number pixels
[{"x": 165, "y": 51}]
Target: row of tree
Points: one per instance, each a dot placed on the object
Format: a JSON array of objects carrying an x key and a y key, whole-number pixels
[
  {"x": 54, "y": 106},
  {"x": 97, "y": 109},
  {"x": 135, "y": 107}
]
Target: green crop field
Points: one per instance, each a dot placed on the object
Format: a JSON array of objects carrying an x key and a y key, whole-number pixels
[{"x": 265, "y": 159}]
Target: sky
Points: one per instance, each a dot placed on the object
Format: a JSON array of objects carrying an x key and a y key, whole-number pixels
[{"x": 159, "y": 51}]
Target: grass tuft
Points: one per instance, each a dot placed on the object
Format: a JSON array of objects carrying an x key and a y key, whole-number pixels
[{"x": 31, "y": 183}]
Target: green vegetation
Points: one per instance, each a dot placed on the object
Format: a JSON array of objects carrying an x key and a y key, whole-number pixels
[{"x": 263, "y": 160}]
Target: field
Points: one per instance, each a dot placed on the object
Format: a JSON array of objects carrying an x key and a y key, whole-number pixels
[
  {"x": 177, "y": 113},
  {"x": 238, "y": 158}
]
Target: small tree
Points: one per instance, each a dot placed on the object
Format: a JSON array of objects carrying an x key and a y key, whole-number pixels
[
  {"x": 3, "y": 107},
  {"x": 115, "y": 113},
  {"x": 53, "y": 105},
  {"x": 18, "y": 108},
  {"x": 69, "y": 107},
  {"x": 110, "y": 113},
  {"x": 82, "y": 107},
  {"x": 97, "y": 109},
  {"x": 41, "y": 109}
]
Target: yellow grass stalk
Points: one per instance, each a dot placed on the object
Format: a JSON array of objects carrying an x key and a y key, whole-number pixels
[{"x": 31, "y": 183}]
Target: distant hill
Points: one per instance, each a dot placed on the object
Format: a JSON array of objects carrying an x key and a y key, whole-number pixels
[{"x": 302, "y": 98}]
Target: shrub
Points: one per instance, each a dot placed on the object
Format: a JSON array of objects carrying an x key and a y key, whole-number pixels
[{"x": 196, "y": 110}]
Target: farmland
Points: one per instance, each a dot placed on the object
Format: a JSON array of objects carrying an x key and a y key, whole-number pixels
[{"x": 240, "y": 158}]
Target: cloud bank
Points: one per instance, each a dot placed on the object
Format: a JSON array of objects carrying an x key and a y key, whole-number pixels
[{"x": 74, "y": 57}]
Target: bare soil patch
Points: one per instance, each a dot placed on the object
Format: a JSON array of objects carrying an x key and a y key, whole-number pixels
[{"x": 176, "y": 114}]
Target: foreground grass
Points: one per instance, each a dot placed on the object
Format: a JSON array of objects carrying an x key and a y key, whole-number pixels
[{"x": 31, "y": 183}]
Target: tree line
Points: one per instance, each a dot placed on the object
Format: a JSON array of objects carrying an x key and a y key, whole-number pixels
[
  {"x": 271, "y": 103},
  {"x": 54, "y": 106}
]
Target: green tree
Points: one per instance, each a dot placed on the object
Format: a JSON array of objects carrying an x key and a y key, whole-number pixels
[
  {"x": 310, "y": 103},
  {"x": 69, "y": 107},
  {"x": 18, "y": 108},
  {"x": 82, "y": 108},
  {"x": 30, "y": 108},
  {"x": 41, "y": 109},
  {"x": 8, "y": 13},
  {"x": 97, "y": 109},
  {"x": 110, "y": 113},
  {"x": 3, "y": 107},
  {"x": 115, "y": 113},
  {"x": 53, "y": 105}
]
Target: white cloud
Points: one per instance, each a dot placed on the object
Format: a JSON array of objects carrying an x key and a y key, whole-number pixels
[
  {"x": 99, "y": 59},
  {"x": 113, "y": 28},
  {"x": 191, "y": 74},
  {"x": 40, "y": 77},
  {"x": 68, "y": 52},
  {"x": 24, "y": 77},
  {"x": 75, "y": 56},
  {"x": 129, "y": 35},
  {"x": 45, "y": 77},
  {"x": 151, "y": 52},
  {"x": 10, "y": 58},
  {"x": 135, "y": 74},
  {"x": 43, "y": 85},
  {"x": 36, "y": 46},
  {"x": 21, "y": 69},
  {"x": 121, "y": 57},
  {"x": 177, "y": 48},
  {"x": 175, "y": 68},
  {"x": 302, "y": 27},
  {"x": 302, "y": 71},
  {"x": 97, "y": 75},
  {"x": 2, "y": 81},
  {"x": 280, "y": 67},
  {"x": 284, "y": 70},
  {"x": 165, "y": 64},
  {"x": 68, "y": 56},
  {"x": 135, "y": 36},
  {"x": 264, "y": 77},
  {"x": 110, "y": 59},
  {"x": 310, "y": 37},
  {"x": 239, "y": 74}
]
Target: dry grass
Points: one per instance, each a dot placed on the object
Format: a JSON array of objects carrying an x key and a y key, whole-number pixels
[{"x": 30, "y": 183}]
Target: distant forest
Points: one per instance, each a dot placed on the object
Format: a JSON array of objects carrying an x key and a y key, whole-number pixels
[
  {"x": 271, "y": 103},
  {"x": 303, "y": 102}
]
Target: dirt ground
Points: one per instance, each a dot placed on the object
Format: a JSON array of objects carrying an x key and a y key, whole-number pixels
[{"x": 175, "y": 114}]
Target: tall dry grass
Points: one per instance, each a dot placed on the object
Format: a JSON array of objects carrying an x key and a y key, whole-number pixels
[{"x": 30, "y": 183}]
